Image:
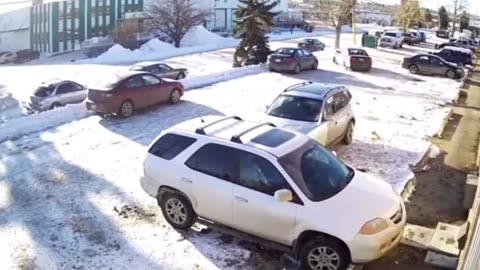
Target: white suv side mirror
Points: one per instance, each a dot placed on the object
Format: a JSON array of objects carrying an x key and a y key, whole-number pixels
[{"x": 283, "y": 195}]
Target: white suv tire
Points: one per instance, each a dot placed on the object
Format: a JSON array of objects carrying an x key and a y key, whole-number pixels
[
  {"x": 177, "y": 211},
  {"x": 323, "y": 252}
]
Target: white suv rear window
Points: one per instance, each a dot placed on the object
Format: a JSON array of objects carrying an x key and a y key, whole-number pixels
[{"x": 170, "y": 145}]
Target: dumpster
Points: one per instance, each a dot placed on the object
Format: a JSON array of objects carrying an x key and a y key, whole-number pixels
[{"x": 370, "y": 41}]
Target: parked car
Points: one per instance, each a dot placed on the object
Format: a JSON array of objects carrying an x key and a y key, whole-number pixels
[
  {"x": 292, "y": 59},
  {"x": 467, "y": 43},
  {"x": 132, "y": 90},
  {"x": 273, "y": 186},
  {"x": 459, "y": 56},
  {"x": 450, "y": 44},
  {"x": 353, "y": 58},
  {"x": 416, "y": 37},
  {"x": 432, "y": 65},
  {"x": 397, "y": 38},
  {"x": 7, "y": 57},
  {"x": 322, "y": 112},
  {"x": 25, "y": 56},
  {"x": 56, "y": 93},
  {"x": 161, "y": 70},
  {"x": 408, "y": 38},
  {"x": 442, "y": 33},
  {"x": 311, "y": 45},
  {"x": 386, "y": 42},
  {"x": 220, "y": 31},
  {"x": 423, "y": 36}
]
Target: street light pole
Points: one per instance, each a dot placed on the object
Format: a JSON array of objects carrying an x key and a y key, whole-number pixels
[{"x": 354, "y": 26}]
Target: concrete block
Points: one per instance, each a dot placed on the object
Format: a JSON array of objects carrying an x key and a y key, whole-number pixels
[
  {"x": 417, "y": 236},
  {"x": 441, "y": 260},
  {"x": 470, "y": 191},
  {"x": 445, "y": 239}
]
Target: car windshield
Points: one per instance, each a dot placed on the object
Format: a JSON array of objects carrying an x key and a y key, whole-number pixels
[
  {"x": 44, "y": 91},
  {"x": 296, "y": 108},
  {"x": 391, "y": 34},
  {"x": 316, "y": 171},
  {"x": 285, "y": 51}
]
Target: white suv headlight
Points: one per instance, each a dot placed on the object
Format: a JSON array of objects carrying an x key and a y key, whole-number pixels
[{"x": 374, "y": 226}]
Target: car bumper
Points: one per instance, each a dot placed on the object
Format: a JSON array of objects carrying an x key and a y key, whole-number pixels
[
  {"x": 36, "y": 107},
  {"x": 281, "y": 67},
  {"x": 361, "y": 66},
  {"x": 102, "y": 107},
  {"x": 149, "y": 186},
  {"x": 366, "y": 248}
]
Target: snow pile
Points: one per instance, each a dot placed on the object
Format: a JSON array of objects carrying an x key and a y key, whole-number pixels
[
  {"x": 199, "y": 36},
  {"x": 202, "y": 81},
  {"x": 155, "y": 45},
  {"x": 22, "y": 126}
]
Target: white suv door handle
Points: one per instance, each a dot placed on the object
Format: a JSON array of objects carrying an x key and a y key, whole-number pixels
[
  {"x": 186, "y": 180},
  {"x": 241, "y": 199}
]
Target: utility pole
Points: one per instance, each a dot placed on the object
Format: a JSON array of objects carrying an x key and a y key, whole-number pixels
[{"x": 354, "y": 25}]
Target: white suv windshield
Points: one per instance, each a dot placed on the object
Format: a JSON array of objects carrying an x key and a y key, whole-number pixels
[
  {"x": 316, "y": 171},
  {"x": 391, "y": 34},
  {"x": 296, "y": 108}
]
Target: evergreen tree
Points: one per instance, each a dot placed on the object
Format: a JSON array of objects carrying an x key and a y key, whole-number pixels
[
  {"x": 253, "y": 18},
  {"x": 464, "y": 21},
  {"x": 443, "y": 15}
]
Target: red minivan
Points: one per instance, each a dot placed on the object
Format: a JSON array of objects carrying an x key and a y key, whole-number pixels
[{"x": 132, "y": 90}]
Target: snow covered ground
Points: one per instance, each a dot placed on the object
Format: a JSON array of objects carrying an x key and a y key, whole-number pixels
[{"x": 69, "y": 191}]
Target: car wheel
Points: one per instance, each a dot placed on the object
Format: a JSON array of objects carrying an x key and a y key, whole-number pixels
[
  {"x": 180, "y": 76},
  {"x": 413, "y": 69},
  {"x": 315, "y": 65},
  {"x": 348, "y": 137},
  {"x": 324, "y": 253},
  {"x": 126, "y": 109},
  {"x": 175, "y": 96},
  {"x": 177, "y": 211},
  {"x": 296, "y": 70},
  {"x": 55, "y": 105},
  {"x": 451, "y": 74}
]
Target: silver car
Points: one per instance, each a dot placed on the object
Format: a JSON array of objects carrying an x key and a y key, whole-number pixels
[
  {"x": 322, "y": 112},
  {"x": 53, "y": 94}
]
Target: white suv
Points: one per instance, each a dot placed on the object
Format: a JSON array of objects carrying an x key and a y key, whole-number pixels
[
  {"x": 273, "y": 185},
  {"x": 396, "y": 37}
]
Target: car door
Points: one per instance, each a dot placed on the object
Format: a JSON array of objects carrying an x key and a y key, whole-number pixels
[
  {"x": 437, "y": 67},
  {"x": 79, "y": 92},
  {"x": 136, "y": 91},
  {"x": 207, "y": 181},
  {"x": 447, "y": 55},
  {"x": 255, "y": 209},
  {"x": 309, "y": 58},
  {"x": 331, "y": 122},
  {"x": 167, "y": 72},
  {"x": 300, "y": 59},
  {"x": 157, "y": 89},
  {"x": 65, "y": 93},
  {"x": 340, "y": 116},
  {"x": 423, "y": 63}
]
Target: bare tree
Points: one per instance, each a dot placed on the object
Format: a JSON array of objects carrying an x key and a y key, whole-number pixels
[
  {"x": 175, "y": 17},
  {"x": 336, "y": 12},
  {"x": 458, "y": 7}
]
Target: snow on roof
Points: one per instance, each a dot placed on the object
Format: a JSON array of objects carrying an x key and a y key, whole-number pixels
[{"x": 459, "y": 49}]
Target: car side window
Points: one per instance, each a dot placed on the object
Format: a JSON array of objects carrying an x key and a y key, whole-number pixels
[
  {"x": 347, "y": 97},
  {"x": 299, "y": 53},
  {"x": 436, "y": 61},
  {"x": 164, "y": 68},
  {"x": 170, "y": 145},
  {"x": 307, "y": 53},
  {"x": 135, "y": 82},
  {"x": 338, "y": 102},
  {"x": 259, "y": 174},
  {"x": 150, "y": 80},
  {"x": 77, "y": 87},
  {"x": 328, "y": 110},
  {"x": 214, "y": 160},
  {"x": 422, "y": 59},
  {"x": 154, "y": 69},
  {"x": 65, "y": 88}
]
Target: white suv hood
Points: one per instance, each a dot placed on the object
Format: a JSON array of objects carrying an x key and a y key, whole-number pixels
[
  {"x": 363, "y": 199},
  {"x": 299, "y": 126}
]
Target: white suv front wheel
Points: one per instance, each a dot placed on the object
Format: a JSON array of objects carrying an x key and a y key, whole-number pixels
[
  {"x": 324, "y": 253},
  {"x": 177, "y": 211}
]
